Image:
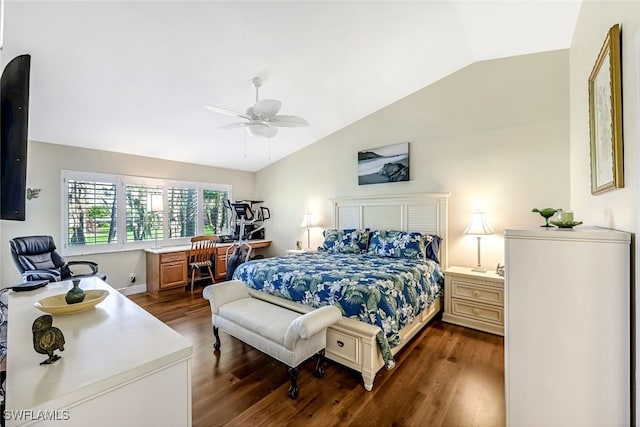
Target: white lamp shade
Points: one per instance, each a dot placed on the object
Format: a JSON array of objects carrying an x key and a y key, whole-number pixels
[
  {"x": 155, "y": 203},
  {"x": 308, "y": 221},
  {"x": 478, "y": 225}
]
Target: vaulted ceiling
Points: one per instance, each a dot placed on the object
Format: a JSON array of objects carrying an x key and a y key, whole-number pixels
[{"x": 134, "y": 76}]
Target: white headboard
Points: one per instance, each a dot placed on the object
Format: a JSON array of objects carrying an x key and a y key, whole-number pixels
[{"x": 423, "y": 212}]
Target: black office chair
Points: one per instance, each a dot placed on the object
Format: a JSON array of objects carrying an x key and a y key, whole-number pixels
[{"x": 37, "y": 259}]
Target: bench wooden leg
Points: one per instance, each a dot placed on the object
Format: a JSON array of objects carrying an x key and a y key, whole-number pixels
[
  {"x": 320, "y": 364},
  {"x": 293, "y": 389},
  {"x": 216, "y": 345}
]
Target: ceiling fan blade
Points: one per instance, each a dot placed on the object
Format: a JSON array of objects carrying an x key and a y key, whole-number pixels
[
  {"x": 252, "y": 114},
  {"x": 234, "y": 125},
  {"x": 227, "y": 112},
  {"x": 266, "y": 108},
  {"x": 285, "y": 121}
]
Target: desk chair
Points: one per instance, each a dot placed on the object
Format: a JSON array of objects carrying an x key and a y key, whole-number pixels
[
  {"x": 201, "y": 255},
  {"x": 36, "y": 258}
]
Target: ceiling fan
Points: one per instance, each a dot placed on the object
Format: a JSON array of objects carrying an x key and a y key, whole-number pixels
[{"x": 262, "y": 119}]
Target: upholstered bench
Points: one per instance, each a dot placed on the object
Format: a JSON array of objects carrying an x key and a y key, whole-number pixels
[{"x": 285, "y": 335}]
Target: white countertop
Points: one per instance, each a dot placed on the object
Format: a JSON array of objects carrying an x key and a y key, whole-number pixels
[
  {"x": 169, "y": 249},
  {"x": 580, "y": 232},
  {"x": 109, "y": 345}
]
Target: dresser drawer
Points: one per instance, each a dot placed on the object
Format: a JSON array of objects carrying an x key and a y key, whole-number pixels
[
  {"x": 343, "y": 345},
  {"x": 475, "y": 292},
  {"x": 480, "y": 312},
  {"x": 173, "y": 257}
]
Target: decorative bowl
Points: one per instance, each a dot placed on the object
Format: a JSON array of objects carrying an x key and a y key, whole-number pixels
[
  {"x": 546, "y": 213},
  {"x": 566, "y": 224},
  {"x": 56, "y": 304}
]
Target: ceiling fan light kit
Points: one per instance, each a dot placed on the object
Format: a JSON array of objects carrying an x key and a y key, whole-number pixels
[
  {"x": 262, "y": 118},
  {"x": 261, "y": 129}
]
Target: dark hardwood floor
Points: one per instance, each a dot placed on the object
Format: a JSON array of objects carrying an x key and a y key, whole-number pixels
[{"x": 447, "y": 376}]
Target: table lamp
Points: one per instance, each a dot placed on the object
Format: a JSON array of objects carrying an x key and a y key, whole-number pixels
[
  {"x": 308, "y": 223},
  {"x": 478, "y": 227}
]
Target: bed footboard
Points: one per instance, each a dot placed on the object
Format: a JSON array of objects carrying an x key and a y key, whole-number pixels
[{"x": 353, "y": 343}]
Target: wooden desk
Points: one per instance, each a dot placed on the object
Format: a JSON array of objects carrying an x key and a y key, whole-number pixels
[
  {"x": 167, "y": 267},
  {"x": 120, "y": 365}
]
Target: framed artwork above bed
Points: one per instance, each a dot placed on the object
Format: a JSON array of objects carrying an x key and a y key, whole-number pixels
[{"x": 384, "y": 164}]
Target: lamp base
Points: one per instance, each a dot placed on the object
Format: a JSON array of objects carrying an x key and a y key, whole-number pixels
[{"x": 479, "y": 269}]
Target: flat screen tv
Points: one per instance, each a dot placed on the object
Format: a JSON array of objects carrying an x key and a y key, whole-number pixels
[{"x": 14, "y": 123}]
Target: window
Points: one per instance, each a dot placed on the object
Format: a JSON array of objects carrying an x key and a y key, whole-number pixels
[
  {"x": 110, "y": 212},
  {"x": 143, "y": 221},
  {"x": 182, "y": 212},
  {"x": 215, "y": 215},
  {"x": 92, "y": 212}
]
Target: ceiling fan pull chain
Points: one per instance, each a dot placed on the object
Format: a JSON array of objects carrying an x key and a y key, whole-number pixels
[{"x": 245, "y": 142}]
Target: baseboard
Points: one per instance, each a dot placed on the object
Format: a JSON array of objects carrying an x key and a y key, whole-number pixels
[{"x": 133, "y": 289}]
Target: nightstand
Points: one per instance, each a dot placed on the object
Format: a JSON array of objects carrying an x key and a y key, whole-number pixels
[{"x": 474, "y": 299}]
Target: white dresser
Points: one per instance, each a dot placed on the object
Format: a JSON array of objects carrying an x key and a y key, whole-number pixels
[
  {"x": 120, "y": 366},
  {"x": 567, "y": 327}
]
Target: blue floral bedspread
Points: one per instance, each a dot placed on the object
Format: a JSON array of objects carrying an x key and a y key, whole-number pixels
[{"x": 383, "y": 291}]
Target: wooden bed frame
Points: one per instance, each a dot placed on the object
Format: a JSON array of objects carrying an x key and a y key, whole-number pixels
[{"x": 353, "y": 343}]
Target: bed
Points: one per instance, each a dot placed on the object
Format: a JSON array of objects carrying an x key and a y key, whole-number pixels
[{"x": 388, "y": 284}]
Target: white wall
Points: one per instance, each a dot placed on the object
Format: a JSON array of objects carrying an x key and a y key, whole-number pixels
[
  {"x": 494, "y": 134},
  {"x": 617, "y": 208},
  {"x": 44, "y": 165}
]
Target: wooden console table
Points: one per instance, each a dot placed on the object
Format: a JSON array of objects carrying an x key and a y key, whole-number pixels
[
  {"x": 119, "y": 363},
  {"x": 167, "y": 267}
]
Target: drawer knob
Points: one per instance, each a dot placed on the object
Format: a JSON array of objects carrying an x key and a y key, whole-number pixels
[
  {"x": 340, "y": 344},
  {"x": 476, "y": 311},
  {"x": 476, "y": 293}
]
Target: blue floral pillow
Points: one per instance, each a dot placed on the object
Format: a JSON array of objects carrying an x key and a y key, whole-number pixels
[
  {"x": 353, "y": 241},
  {"x": 433, "y": 247},
  {"x": 402, "y": 244}
]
